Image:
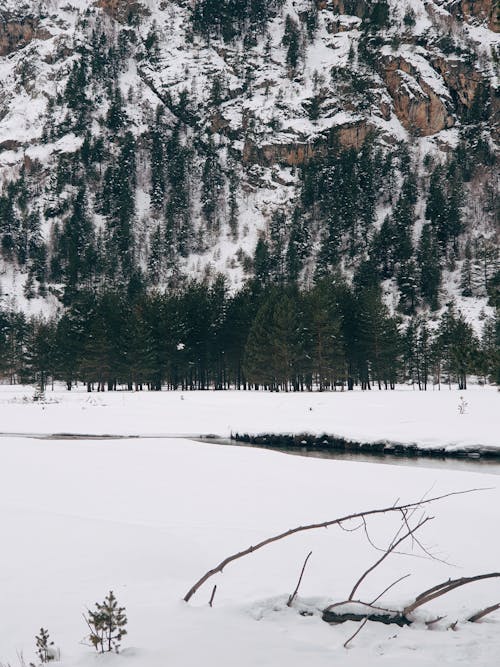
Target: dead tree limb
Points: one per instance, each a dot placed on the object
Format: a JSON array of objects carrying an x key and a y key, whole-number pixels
[
  {"x": 325, "y": 524},
  {"x": 484, "y": 612},
  {"x": 294, "y": 594},
  {"x": 211, "y": 601},
  {"x": 443, "y": 589},
  {"x": 355, "y": 610}
]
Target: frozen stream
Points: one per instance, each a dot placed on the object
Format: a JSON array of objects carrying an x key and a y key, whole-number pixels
[{"x": 481, "y": 465}]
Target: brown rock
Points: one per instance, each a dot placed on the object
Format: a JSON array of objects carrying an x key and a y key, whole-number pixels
[
  {"x": 484, "y": 10},
  {"x": 353, "y": 7},
  {"x": 15, "y": 33},
  {"x": 297, "y": 154},
  {"x": 461, "y": 78},
  {"x": 123, "y": 11},
  {"x": 9, "y": 145},
  {"x": 420, "y": 110}
]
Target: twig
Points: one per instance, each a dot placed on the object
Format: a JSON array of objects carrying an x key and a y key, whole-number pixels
[
  {"x": 211, "y": 601},
  {"x": 389, "y": 588},
  {"x": 390, "y": 549},
  {"x": 357, "y": 632},
  {"x": 357, "y": 515},
  {"x": 419, "y": 543},
  {"x": 434, "y": 620},
  {"x": 484, "y": 612},
  {"x": 294, "y": 594}
]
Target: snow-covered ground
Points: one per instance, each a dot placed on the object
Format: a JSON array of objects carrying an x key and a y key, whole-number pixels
[
  {"x": 429, "y": 419},
  {"x": 147, "y": 517}
]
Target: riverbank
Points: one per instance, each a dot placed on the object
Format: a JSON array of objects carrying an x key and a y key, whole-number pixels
[{"x": 404, "y": 420}]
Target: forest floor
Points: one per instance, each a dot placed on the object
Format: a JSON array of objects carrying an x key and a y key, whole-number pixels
[{"x": 146, "y": 517}]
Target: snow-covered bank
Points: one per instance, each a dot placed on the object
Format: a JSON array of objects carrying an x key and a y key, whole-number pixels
[
  {"x": 148, "y": 517},
  {"x": 428, "y": 419}
]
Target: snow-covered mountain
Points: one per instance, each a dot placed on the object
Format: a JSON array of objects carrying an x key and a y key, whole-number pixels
[{"x": 159, "y": 140}]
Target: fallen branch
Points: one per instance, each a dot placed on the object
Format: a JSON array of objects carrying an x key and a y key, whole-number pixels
[
  {"x": 355, "y": 610},
  {"x": 294, "y": 594},
  {"x": 484, "y": 612},
  {"x": 325, "y": 524},
  {"x": 443, "y": 589}
]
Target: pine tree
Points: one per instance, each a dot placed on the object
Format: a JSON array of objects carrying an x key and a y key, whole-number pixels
[
  {"x": 44, "y": 647},
  {"x": 212, "y": 182},
  {"x": 322, "y": 336},
  {"x": 291, "y": 39},
  {"x": 158, "y": 150},
  {"x": 429, "y": 262},
  {"x": 273, "y": 353},
  {"x": 107, "y": 625},
  {"x": 262, "y": 261}
]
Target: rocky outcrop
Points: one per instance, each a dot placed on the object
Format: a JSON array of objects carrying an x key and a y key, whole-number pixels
[
  {"x": 15, "y": 33},
  {"x": 357, "y": 8},
  {"x": 418, "y": 107},
  {"x": 297, "y": 154},
  {"x": 9, "y": 145},
  {"x": 123, "y": 11},
  {"x": 462, "y": 80},
  {"x": 483, "y": 10}
]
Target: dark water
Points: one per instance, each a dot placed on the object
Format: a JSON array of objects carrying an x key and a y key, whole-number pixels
[
  {"x": 473, "y": 464},
  {"x": 481, "y": 465}
]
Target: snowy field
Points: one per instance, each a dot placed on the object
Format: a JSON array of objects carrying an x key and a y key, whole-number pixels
[
  {"x": 147, "y": 517},
  {"x": 429, "y": 419}
]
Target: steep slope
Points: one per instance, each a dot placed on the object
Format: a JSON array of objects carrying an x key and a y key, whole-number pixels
[{"x": 154, "y": 141}]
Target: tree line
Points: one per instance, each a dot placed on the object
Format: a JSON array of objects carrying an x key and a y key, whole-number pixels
[{"x": 331, "y": 336}]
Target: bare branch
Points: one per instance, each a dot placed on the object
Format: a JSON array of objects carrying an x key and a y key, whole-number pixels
[
  {"x": 357, "y": 515},
  {"x": 294, "y": 594},
  {"x": 350, "y": 530},
  {"x": 356, "y": 633},
  {"x": 211, "y": 601},
  {"x": 389, "y": 550},
  {"x": 481, "y": 614},
  {"x": 443, "y": 589},
  {"x": 394, "y": 583},
  {"x": 434, "y": 621},
  {"x": 415, "y": 540}
]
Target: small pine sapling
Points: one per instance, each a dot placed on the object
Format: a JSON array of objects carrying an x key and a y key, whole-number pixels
[
  {"x": 107, "y": 625},
  {"x": 45, "y": 649}
]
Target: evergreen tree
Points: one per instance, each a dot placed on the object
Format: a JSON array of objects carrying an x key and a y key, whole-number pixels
[
  {"x": 273, "y": 353},
  {"x": 429, "y": 262}
]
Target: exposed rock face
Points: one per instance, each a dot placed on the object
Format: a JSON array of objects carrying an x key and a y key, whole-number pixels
[
  {"x": 485, "y": 10},
  {"x": 351, "y": 135},
  {"x": 16, "y": 33},
  {"x": 123, "y": 11},
  {"x": 420, "y": 110},
  {"x": 464, "y": 80},
  {"x": 354, "y": 7},
  {"x": 9, "y": 145}
]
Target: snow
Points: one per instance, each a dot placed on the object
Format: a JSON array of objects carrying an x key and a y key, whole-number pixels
[
  {"x": 428, "y": 419},
  {"x": 146, "y": 518}
]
